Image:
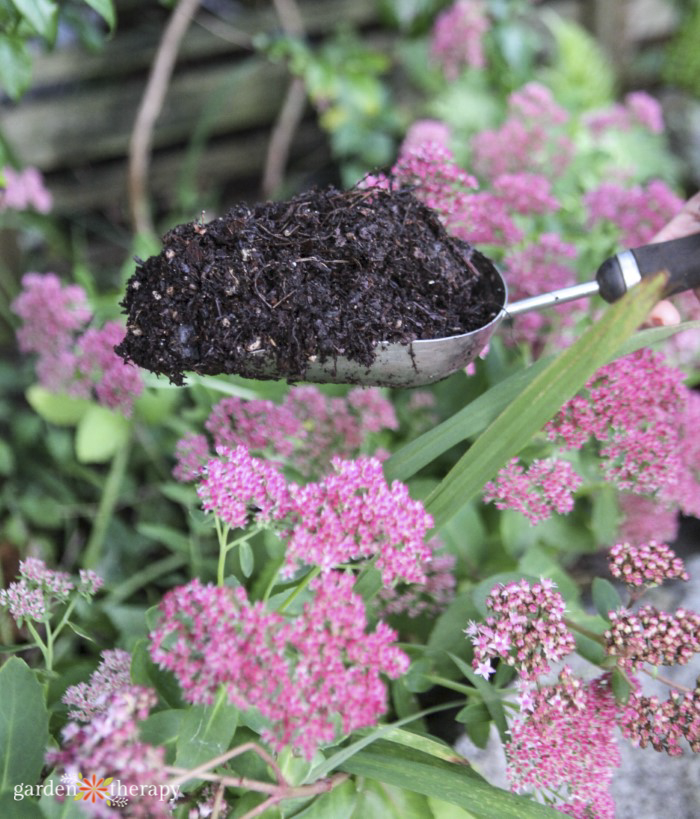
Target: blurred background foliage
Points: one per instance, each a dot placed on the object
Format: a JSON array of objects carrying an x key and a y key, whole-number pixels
[{"x": 73, "y": 76}]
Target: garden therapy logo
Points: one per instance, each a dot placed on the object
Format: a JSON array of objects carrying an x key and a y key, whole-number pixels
[{"x": 93, "y": 790}]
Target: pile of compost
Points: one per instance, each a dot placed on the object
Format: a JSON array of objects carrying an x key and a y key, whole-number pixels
[{"x": 267, "y": 288}]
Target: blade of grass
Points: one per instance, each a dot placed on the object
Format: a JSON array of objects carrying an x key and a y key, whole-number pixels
[
  {"x": 477, "y": 415},
  {"x": 541, "y": 399}
]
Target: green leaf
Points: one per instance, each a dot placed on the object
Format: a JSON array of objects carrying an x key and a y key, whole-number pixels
[
  {"x": 163, "y": 727},
  {"x": 15, "y": 66},
  {"x": 620, "y": 685},
  {"x": 478, "y": 414},
  {"x": 605, "y": 597},
  {"x": 100, "y": 434},
  {"x": 105, "y": 8},
  {"x": 145, "y": 672},
  {"x": 206, "y": 732},
  {"x": 167, "y": 535},
  {"x": 19, "y": 808},
  {"x": 463, "y": 424},
  {"x": 456, "y": 784},
  {"x": 541, "y": 400},
  {"x": 57, "y": 408},
  {"x": 24, "y": 725},
  {"x": 340, "y": 803},
  {"x": 51, "y": 807},
  {"x": 605, "y": 515},
  {"x": 42, "y": 16},
  {"x": 245, "y": 555},
  {"x": 419, "y": 742},
  {"x": 489, "y": 696}
]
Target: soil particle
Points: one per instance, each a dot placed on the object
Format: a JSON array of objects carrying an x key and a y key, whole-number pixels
[{"x": 326, "y": 274}]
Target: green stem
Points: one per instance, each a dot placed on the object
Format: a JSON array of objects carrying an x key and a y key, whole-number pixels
[
  {"x": 147, "y": 575},
  {"x": 451, "y": 684},
  {"x": 48, "y": 657},
  {"x": 300, "y": 588},
  {"x": 108, "y": 501},
  {"x": 225, "y": 548},
  {"x": 584, "y": 631}
]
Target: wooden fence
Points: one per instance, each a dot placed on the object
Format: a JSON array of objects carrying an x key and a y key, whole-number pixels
[{"x": 76, "y": 121}]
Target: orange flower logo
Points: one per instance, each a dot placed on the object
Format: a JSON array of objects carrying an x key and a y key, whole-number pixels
[{"x": 92, "y": 790}]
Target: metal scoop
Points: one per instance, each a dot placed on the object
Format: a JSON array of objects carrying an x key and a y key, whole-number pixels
[{"x": 426, "y": 361}]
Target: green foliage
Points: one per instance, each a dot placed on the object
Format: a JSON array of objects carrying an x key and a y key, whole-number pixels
[
  {"x": 344, "y": 81},
  {"x": 682, "y": 65},
  {"x": 24, "y": 725},
  {"x": 22, "y": 21},
  {"x": 540, "y": 400},
  {"x": 580, "y": 74}
]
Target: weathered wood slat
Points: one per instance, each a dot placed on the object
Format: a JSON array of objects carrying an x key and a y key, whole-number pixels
[
  {"x": 94, "y": 123},
  {"x": 235, "y": 157}
]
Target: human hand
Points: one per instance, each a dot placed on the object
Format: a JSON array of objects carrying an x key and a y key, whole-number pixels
[{"x": 684, "y": 223}]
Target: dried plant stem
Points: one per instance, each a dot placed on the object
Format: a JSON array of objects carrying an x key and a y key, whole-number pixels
[
  {"x": 292, "y": 110},
  {"x": 149, "y": 110},
  {"x": 276, "y": 792}
]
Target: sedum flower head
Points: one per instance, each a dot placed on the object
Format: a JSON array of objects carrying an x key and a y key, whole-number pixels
[
  {"x": 238, "y": 488},
  {"x": 638, "y": 212},
  {"x": 91, "y": 698},
  {"x": 652, "y": 636},
  {"x": 635, "y": 408},
  {"x": 663, "y": 725},
  {"x": 565, "y": 744},
  {"x": 546, "y": 487},
  {"x": 428, "y": 598},
  {"x": 353, "y": 514},
  {"x": 647, "y": 564},
  {"x": 110, "y": 744},
  {"x": 526, "y": 630},
  {"x": 457, "y": 37},
  {"x": 299, "y": 674},
  {"x": 38, "y": 591}
]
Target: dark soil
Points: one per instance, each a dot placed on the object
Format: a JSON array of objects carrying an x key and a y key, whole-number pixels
[{"x": 325, "y": 274}]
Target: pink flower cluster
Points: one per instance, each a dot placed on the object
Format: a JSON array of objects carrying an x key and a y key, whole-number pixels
[
  {"x": 353, "y": 514},
  {"x": 565, "y": 744},
  {"x": 457, "y": 37},
  {"x": 305, "y": 428},
  {"x": 235, "y": 484},
  {"x": 652, "y": 636},
  {"x": 635, "y": 407},
  {"x": 638, "y": 212},
  {"x": 527, "y": 630},
  {"x": 532, "y": 139},
  {"x": 428, "y": 598},
  {"x": 546, "y": 487},
  {"x": 110, "y": 742},
  {"x": 40, "y": 589},
  {"x": 68, "y": 361},
  {"x": 645, "y": 518},
  {"x": 648, "y": 564},
  {"x": 91, "y": 698},
  {"x": 637, "y": 109},
  {"x": 299, "y": 674},
  {"x": 23, "y": 190},
  {"x": 538, "y": 268},
  {"x": 647, "y": 721}
]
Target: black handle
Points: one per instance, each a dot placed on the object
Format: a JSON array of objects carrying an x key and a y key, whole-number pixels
[{"x": 680, "y": 257}]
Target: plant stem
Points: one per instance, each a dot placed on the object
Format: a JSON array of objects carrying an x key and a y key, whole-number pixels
[
  {"x": 225, "y": 548},
  {"x": 300, "y": 588},
  {"x": 105, "y": 510},
  {"x": 584, "y": 631},
  {"x": 48, "y": 659},
  {"x": 454, "y": 686}
]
